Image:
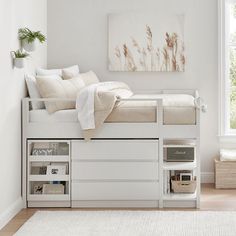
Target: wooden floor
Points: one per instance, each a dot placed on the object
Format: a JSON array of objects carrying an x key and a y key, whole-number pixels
[{"x": 211, "y": 199}]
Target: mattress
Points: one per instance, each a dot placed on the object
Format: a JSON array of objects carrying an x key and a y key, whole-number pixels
[{"x": 179, "y": 109}]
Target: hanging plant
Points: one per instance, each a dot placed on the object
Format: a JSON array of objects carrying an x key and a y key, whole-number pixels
[
  {"x": 28, "y": 38},
  {"x": 19, "y": 58}
]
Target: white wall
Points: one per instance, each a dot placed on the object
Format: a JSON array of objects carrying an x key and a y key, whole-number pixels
[
  {"x": 13, "y": 15},
  {"x": 77, "y": 34}
]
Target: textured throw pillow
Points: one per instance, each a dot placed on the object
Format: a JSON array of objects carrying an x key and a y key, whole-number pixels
[
  {"x": 33, "y": 91},
  {"x": 70, "y": 72},
  {"x": 45, "y": 72},
  {"x": 58, "y": 88},
  {"x": 88, "y": 78}
]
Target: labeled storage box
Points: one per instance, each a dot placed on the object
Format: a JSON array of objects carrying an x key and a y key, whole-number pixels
[
  {"x": 183, "y": 186},
  {"x": 225, "y": 174}
]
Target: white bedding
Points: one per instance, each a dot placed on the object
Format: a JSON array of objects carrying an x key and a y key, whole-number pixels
[{"x": 179, "y": 109}]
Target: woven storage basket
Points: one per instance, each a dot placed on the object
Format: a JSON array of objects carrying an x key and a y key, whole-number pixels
[
  {"x": 183, "y": 186},
  {"x": 225, "y": 174}
]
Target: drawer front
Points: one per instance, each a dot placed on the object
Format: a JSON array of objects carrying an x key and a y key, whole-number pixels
[
  {"x": 115, "y": 150},
  {"x": 115, "y": 191},
  {"x": 114, "y": 170}
]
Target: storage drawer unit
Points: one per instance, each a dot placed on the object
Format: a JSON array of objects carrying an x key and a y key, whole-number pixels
[
  {"x": 115, "y": 170},
  {"x": 115, "y": 150},
  {"x": 115, "y": 191}
]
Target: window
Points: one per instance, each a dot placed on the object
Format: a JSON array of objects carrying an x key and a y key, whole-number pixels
[{"x": 227, "y": 60}]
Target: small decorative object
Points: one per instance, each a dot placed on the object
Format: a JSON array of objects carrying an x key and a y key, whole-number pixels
[
  {"x": 38, "y": 189},
  {"x": 28, "y": 38},
  {"x": 38, "y": 170},
  {"x": 53, "y": 189},
  {"x": 146, "y": 42},
  {"x": 62, "y": 164},
  {"x": 186, "y": 176},
  {"x": 179, "y": 154},
  {"x": 54, "y": 147},
  {"x": 42, "y": 151},
  {"x": 56, "y": 170},
  {"x": 63, "y": 149},
  {"x": 19, "y": 58}
]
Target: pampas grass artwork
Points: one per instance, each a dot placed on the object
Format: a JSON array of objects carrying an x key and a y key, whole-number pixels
[{"x": 146, "y": 43}]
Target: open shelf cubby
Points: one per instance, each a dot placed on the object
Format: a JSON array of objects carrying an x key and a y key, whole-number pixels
[
  {"x": 180, "y": 170},
  {"x": 48, "y": 180}
]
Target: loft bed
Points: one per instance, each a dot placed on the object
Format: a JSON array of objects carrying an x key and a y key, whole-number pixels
[{"x": 128, "y": 131}]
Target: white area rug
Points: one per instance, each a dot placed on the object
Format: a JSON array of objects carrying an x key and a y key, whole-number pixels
[{"x": 130, "y": 223}]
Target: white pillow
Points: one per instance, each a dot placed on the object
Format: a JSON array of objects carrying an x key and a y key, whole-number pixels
[
  {"x": 70, "y": 72},
  {"x": 58, "y": 88},
  {"x": 46, "y": 72},
  {"x": 33, "y": 91},
  {"x": 88, "y": 78}
]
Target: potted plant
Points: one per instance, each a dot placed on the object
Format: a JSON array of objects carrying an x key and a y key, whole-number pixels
[
  {"x": 19, "y": 58},
  {"x": 28, "y": 38}
]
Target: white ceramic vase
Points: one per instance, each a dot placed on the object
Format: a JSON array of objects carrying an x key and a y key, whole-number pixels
[
  {"x": 19, "y": 62},
  {"x": 29, "y": 47}
]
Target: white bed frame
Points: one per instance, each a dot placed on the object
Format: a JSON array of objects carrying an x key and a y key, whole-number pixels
[{"x": 141, "y": 131}]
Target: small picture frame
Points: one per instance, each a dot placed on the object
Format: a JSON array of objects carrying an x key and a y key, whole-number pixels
[
  {"x": 38, "y": 188},
  {"x": 186, "y": 176},
  {"x": 56, "y": 170}
]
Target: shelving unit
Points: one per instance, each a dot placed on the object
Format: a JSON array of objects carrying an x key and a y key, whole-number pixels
[
  {"x": 172, "y": 199},
  {"x": 179, "y": 165},
  {"x": 180, "y": 196},
  {"x": 59, "y": 156}
]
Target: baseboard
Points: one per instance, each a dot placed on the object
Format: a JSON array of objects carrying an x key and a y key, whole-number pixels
[
  {"x": 10, "y": 212},
  {"x": 207, "y": 177}
]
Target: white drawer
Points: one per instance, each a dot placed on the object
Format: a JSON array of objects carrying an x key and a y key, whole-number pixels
[
  {"x": 115, "y": 149},
  {"x": 114, "y": 170},
  {"x": 115, "y": 191}
]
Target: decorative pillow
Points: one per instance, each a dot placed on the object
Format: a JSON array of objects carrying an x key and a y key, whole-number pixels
[
  {"x": 70, "y": 72},
  {"x": 33, "y": 91},
  {"x": 58, "y": 88},
  {"x": 88, "y": 78},
  {"x": 46, "y": 72}
]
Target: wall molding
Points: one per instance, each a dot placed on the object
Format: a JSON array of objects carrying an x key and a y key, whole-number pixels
[
  {"x": 207, "y": 177},
  {"x": 10, "y": 212}
]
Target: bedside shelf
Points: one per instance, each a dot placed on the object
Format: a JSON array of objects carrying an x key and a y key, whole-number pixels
[
  {"x": 48, "y": 197},
  {"x": 179, "y": 165},
  {"x": 49, "y": 177},
  {"x": 37, "y": 175},
  {"x": 49, "y": 158}
]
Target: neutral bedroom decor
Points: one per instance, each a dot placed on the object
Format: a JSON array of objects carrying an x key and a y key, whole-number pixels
[
  {"x": 129, "y": 223},
  {"x": 28, "y": 38},
  {"x": 19, "y": 58},
  {"x": 146, "y": 42}
]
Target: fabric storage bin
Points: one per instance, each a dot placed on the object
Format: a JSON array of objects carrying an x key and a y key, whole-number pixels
[
  {"x": 225, "y": 174},
  {"x": 183, "y": 186}
]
